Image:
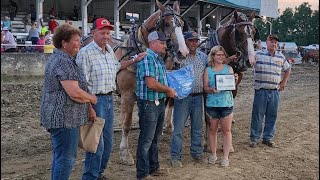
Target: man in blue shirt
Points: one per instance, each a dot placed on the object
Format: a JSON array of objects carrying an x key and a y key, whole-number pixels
[{"x": 152, "y": 89}]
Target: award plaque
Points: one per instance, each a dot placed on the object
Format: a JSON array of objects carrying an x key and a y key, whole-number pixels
[{"x": 225, "y": 82}]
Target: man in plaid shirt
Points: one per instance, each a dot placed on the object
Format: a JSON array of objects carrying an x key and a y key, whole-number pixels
[
  {"x": 152, "y": 89},
  {"x": 99, "y": 65}
]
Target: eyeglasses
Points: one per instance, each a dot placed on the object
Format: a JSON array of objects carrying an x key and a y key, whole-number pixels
[{"x": 220, "y": 55}]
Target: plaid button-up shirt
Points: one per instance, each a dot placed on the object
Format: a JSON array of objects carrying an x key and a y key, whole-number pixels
[
  {"x": 200, "y": 62},
  {"x": 151, "y": 66},
  {"x": 99, "y": 69}
]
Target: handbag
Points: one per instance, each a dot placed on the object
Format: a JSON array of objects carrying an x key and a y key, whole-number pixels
[{"x": 90, "y": 135}]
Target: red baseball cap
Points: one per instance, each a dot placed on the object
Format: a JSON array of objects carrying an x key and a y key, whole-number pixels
[{"x": 101, "y": 23}]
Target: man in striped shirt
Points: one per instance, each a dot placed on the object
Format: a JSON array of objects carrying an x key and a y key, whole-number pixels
[
  {"x": 99, "y": 65},
  {"x": 269, "y": 81},
  {"x": 152, "y": 89}
]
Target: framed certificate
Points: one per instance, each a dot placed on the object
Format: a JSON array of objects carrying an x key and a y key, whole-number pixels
[{"x": 225, "y": 82}]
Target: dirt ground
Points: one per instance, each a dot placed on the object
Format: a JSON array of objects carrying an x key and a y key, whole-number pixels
[{"x": 26, "y": 148}]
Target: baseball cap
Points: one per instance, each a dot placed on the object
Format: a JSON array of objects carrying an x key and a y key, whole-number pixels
[
  {"x": 5, "y": 28},
  {"x": 273, "y": 37},
  {"x": 191, "y": 35},
  {"x": 101, "y": 23},
  {"x": 156, "y": 35}
]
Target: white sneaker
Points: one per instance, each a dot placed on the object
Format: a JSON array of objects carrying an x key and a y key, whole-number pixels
[
  {"x": 212, "y": 159},
  {"x": 224, "y": 163}
]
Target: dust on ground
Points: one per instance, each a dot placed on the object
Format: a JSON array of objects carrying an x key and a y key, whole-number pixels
[{"x": 26, "y": 147}]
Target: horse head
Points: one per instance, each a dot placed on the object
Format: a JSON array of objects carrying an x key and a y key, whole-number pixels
[{"x": 237, "y": 36}]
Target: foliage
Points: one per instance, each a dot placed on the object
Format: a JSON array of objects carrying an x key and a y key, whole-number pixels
[{"x": 300, "y": 25}]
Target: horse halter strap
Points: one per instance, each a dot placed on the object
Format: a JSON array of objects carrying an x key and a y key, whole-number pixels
[{"x": 170, "y": 12}]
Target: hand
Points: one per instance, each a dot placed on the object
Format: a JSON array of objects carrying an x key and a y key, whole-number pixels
[
  {"x": 92, "y": 114},
  {"x": 282, "y": 85},
  {"x": 236, "y": 77},
  {"x": 171, "y": 93},
  {"x": 214, "y": 90},
  {"x": 93, "y": 99},
  {"x": 233, "y": 58},
  {"x": 140, "y": 56}
]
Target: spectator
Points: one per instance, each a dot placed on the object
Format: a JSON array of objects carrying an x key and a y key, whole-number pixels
[
  {"x": 43, "y": 29},
  {"x": 9, "y": 41},
  {"x": 65, "y": 101},
  {"x": 34, "y": 33},
  {"x": 2, "y": 40},
  {"x": 41, "y": 41},
  {"x": 190, "y": 106},
  {"x": 99, "y": 65},
  {"x": 7, "y": 22},
  {"x": 75, "y": 12},
  {"x": 53, "y": 24},
  {"x": 219, "y": 104},
  {"x": 13, "y": 9},
  {"x": 27, "y": 22},
  {"x": 53, "y": 12},
  {"x": 33, "y": 13},
  {"x": 271, "y": 73},
  {"x": 48, "y": 37}
]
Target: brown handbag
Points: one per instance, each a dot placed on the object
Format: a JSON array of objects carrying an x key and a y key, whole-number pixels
[{"x": 90, "y": 135}]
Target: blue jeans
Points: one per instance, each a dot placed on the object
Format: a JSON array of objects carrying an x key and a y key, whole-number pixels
[
  {"x": 193, "y": 106},
  {"x": 65, "y": 144},
  {"x": 265, "y": 105},
  {"x": 151, "y": 119},
  {"x": 96, "y": 163}
]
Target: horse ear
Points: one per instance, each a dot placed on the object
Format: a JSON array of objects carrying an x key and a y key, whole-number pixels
[
  {"x": 235, "y": 15},
  {"x": 252, "y": 16},
  {"x": 160, "y": 6},
  {"x": 176, "y": 7}
]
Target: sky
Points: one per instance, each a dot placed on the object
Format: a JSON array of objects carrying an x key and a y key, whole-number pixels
[{"x": 283, "y": 4}]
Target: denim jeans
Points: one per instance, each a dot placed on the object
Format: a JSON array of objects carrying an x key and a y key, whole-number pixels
[
  {"x": 65, "y": 144},
  {"x": 265, "y": 106},
  {"x": 193, "y": 106},
  {"x": 96, "y": 163},
  {"x": 151, "y": 119}
]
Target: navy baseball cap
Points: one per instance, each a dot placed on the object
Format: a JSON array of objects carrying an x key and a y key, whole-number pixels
[
  {"x": 191, "y": 35},
  {"x": 157, "y": 35}
]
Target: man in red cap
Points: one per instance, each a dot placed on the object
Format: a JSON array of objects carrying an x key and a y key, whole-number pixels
[
  {"x": 100, "y": 66},
  {"x": 268, "y": 82}
]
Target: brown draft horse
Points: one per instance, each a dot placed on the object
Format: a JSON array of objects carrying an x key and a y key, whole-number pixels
[
  {"x": 167, "y": 20},
  {"x": 311, "y": 54}
]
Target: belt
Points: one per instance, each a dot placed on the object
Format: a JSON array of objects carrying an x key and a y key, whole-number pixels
[
  {"x": 195, "y": 94},
  {"x": 102, "y": 94}
]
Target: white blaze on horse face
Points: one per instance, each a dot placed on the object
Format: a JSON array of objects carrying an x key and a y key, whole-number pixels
[
  {"x": 182, "y": 44},
  {"x": 251, "y": 52}
]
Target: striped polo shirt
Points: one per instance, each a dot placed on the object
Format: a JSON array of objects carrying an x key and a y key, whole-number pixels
[
  {"x": 268, "y": 69},
  {"x": 151, "y": 66},
  {"x": 99, "y": 69}
]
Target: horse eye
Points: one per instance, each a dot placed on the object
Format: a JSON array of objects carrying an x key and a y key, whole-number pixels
[{"x": 167, "y": 24}]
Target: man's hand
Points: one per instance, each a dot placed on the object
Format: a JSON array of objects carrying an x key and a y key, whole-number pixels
[
  {"x": 282, "y": 85},
  {"x": 171, "y": 93},
  {"x": 92, "y": 114},
  {"x": 140, "y": 56}
]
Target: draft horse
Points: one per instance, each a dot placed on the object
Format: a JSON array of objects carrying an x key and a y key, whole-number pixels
[
  {"x": 167, "y": 20},
  {"x": 237, "y": 37}
]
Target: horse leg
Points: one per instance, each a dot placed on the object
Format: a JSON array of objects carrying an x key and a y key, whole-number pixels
[
  {"x": 127, "y": 104},
  {"x": 126, "y": 83},
  {"x": 206, "y": 146},
  {"x": 168, "y": 118}
]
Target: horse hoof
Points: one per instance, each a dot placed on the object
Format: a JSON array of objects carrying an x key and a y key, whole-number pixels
[{"x": 126, "y": 158}]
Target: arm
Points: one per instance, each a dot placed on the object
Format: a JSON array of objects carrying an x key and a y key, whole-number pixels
[
  {"x": 76, "y": 93},
  {"x": 125, "y": 64},
  {"x": 206, "y": 86},
  {"x": 285, "y": 78},
  {"x": 156, "y": 86}
]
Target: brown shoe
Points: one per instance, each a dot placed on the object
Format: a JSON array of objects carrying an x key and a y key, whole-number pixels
[
  {"x": 160, "y": 172},
  {"x": 146, "y": 178}
]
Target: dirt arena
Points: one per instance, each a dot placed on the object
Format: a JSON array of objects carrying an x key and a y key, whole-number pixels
[{"x": 26, "y": 148}]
